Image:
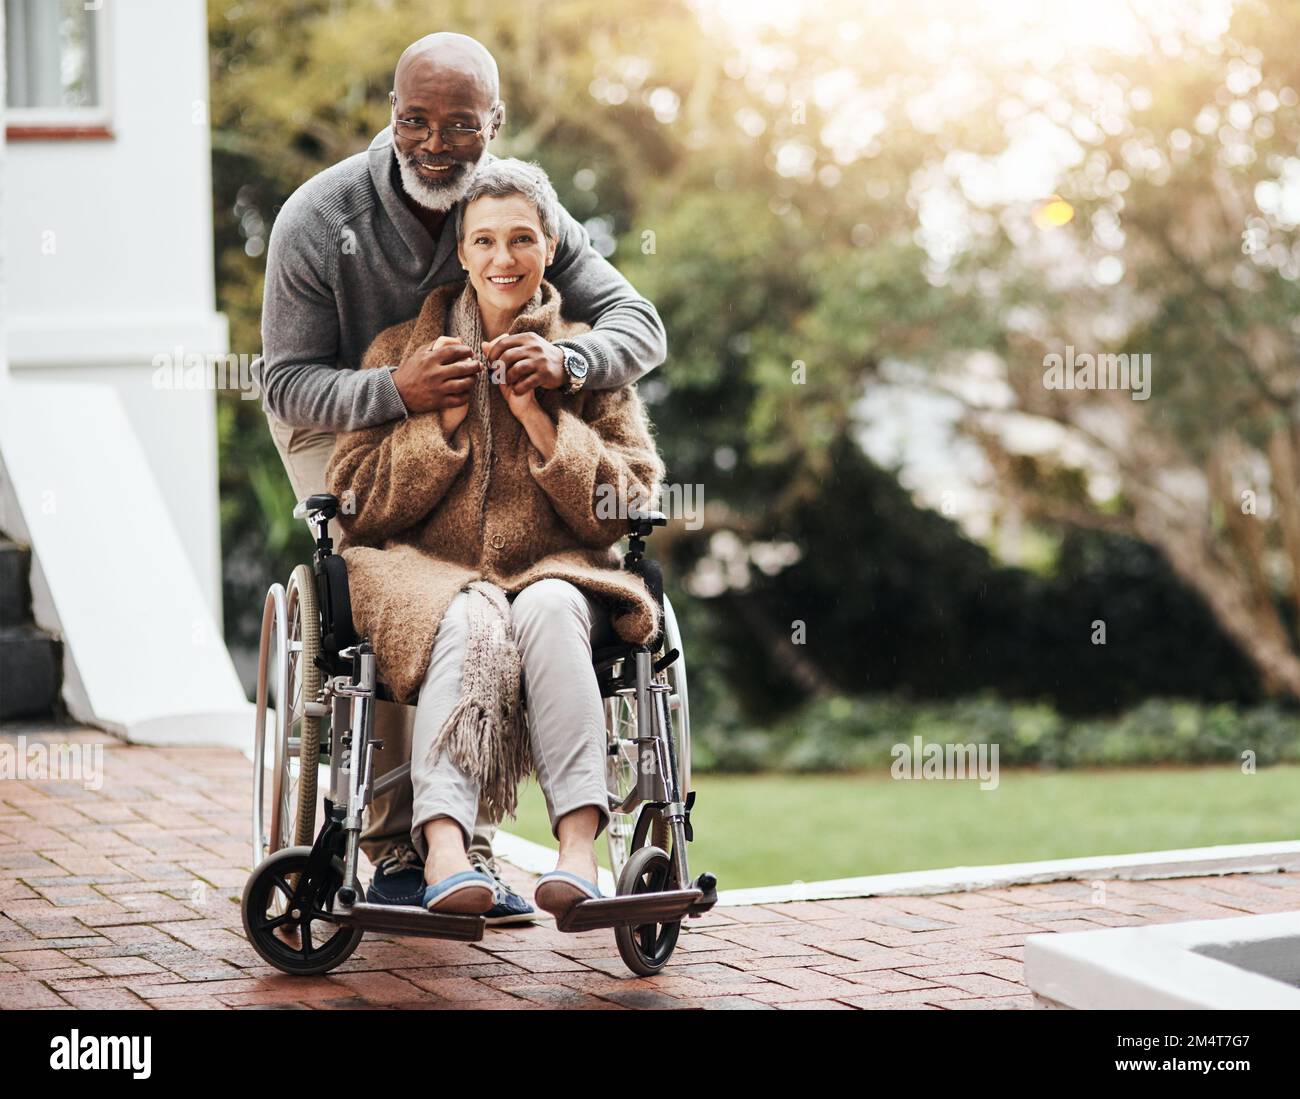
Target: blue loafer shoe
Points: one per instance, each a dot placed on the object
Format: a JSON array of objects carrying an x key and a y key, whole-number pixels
[
  {"x": 559, "y": 891},
  {"x": 510, "y": 907},
  {"x": 468, "y": 893}
]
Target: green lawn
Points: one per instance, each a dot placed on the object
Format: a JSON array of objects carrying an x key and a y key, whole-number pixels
[{"x": 773, "y": 829}]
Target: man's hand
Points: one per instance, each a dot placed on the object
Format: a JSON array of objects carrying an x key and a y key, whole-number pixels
[
  {"x": 437, "y": 376},
  {"x": 530, "y": 361}
]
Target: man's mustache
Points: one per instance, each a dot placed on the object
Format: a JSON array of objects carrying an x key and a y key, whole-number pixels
[{"x": 434, "y": 163}]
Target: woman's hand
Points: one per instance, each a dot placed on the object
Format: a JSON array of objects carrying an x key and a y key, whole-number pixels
[
  {"x": 521, "y": 405},
  {"x": 452, "y": 418},
  {"x": 538, "y": 425}
]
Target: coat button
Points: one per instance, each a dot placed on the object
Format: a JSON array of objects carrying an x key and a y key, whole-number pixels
[{"x": 498, "y": 541}]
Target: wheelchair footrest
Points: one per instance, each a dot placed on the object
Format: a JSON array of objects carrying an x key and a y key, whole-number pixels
[
  {"x": 707, "y": 884},
  {"x": 633, "y": 910},
  {"x": 407, "y": 919}
]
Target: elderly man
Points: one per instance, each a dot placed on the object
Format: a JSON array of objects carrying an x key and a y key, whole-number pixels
[{"x": 356, "y": 249}]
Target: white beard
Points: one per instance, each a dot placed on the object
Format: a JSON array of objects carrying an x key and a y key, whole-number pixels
[{"x": 428, "y": 195}]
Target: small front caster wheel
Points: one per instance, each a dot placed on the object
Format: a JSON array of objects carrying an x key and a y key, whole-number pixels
[
  {"x": 293, "y": 928},
  {"x": 646, "y": 949}
]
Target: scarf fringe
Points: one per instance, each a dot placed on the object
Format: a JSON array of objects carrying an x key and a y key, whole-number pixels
[{"x": 485, "y": 734}]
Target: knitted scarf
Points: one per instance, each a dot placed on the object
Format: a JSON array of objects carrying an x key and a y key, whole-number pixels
[
  {"x": 465, "y": 322},
  {"x": 485, "y": 734}
]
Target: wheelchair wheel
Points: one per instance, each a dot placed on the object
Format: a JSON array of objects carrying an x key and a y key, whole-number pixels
[
  {"x": 287, "y": 678},
  {"x": 621, "y": 756},
  {"x": 304, "y": 679},
  {"x": 620, "y": 776},
  {"x": 645, "y": 949},
  {"x": 284, "y": 936}
]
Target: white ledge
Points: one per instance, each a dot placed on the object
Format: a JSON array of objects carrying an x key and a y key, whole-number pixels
[
  {"x": 1242, "y": 963},
  {"x": 1246, "y": 858}
]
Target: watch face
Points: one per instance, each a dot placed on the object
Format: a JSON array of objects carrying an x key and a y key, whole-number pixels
[{"x": 575, "y": 364}]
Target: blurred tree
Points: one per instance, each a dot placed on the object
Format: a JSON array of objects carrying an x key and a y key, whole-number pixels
[{"x": 1174, "y": 237}]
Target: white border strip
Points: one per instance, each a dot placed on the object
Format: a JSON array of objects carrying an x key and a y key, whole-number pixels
[{"x": 1244, "y": 858}]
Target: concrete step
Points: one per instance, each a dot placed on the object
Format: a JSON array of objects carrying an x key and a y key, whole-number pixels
[
  {"x": 30, "y": 662},
  {"x": 15, "y": 594}
]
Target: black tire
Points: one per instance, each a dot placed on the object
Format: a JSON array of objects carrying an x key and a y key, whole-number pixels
[
  {"x": 264, "y": 909},
  {"x": 645, "y": 949}
]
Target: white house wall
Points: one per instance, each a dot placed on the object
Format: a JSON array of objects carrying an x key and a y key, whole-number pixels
[{"x": 108, "y": 257}]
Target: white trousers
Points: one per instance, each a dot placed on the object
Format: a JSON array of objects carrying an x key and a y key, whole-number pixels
[{"x": 555, "y": 626}]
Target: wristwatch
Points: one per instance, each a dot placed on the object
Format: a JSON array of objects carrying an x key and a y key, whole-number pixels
[{"x": 575, "y": 368}]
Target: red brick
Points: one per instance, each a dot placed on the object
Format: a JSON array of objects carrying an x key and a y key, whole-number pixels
[
  {"x": 106, "y": 999},
  {"x": 729, "y": 1003},
  {"x": 978, "y": 984},
  {"x": 563, "y": 998},
  {"x": 890, "y": 980},
  {"x": 21, "y": 993},
  {"x": 543, "y": 961},
  {"x": 999, "y": 1003},
  {"x": 461, "y": 990},
  {"x": 378, "y": 988},
  {"x": 815, "y": 1005},
  {"x": 123, "y": 966},
  {"x": 894, "y": 1000},
  {"x": 790, "y": 985}
]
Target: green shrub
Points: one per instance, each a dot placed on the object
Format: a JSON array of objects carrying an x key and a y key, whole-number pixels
[{"x": 852, "y": 734}]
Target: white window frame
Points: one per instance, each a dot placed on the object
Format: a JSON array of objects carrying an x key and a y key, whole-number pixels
[{"x": 56, "y": 122}]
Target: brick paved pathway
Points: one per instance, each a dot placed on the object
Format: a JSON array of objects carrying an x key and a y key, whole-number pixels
[{"x": 127, "y": 897}]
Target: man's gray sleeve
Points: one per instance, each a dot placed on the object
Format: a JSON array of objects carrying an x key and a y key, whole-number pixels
[
  {"x": 627, "y": 339},
  {"x": 302, "y": 381}
]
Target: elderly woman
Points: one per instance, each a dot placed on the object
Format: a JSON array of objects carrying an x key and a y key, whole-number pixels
[{"x": 480, "y": 551}]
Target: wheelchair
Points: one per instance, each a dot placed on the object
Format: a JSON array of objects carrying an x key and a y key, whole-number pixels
[{"x": 303, "y": 907}]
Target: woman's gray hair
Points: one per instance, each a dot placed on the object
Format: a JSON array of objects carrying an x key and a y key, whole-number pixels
[{"x": 509, "y": 176}]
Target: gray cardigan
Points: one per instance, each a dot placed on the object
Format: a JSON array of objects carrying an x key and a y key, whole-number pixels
[{"x": 347, "y": 259}]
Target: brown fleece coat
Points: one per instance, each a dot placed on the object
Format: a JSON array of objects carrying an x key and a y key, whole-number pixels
[{"x": 410, "y": 517}]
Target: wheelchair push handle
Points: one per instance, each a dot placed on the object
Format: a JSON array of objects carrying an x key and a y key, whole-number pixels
[
  {"x": 643, "y": 523},
  {"x": 319, "y": 508},
  {"x": 324, "y": 504}
]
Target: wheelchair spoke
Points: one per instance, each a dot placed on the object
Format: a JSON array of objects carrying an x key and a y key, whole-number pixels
[{"x": 647, "y": 934}]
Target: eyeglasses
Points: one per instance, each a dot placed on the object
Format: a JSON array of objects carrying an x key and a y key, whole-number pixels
[{"x": 455, "y": 136}]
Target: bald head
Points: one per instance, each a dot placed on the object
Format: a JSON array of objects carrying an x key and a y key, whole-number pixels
[
  {"x": 443, "y": 58},
  {"x": 445, "y": 87}
]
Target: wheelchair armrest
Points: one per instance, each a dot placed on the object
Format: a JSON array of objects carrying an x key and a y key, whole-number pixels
[
  {"x": 322, "y": 503},
  {"x": 643, "y": 522},
  {"x": 334, "y": 598}
]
